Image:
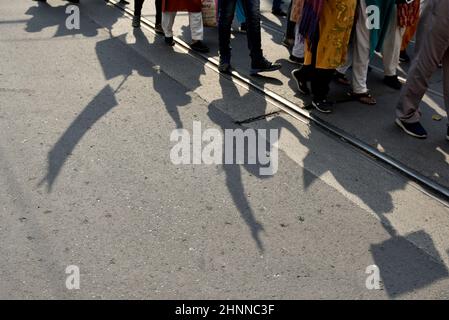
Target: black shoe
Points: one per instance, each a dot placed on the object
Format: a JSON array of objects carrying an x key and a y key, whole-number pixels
[
  {"x": 136, "y": 22},
  {"x": 73, "y": 1},
  {"x": 279, "y": 13},
  {"x": 243, "y": 27},
  {"x": 263, "y": 65},
  {"x": 295, "y": 60},
  {"x": 288, "y": 43},
  {"x": 169, "y": 41},
  {"x": 199, "y": 46},
  {"x": 393, "y": 82},
  {"x": 158, "y": 29},
  {"x": 447, "y": 134},
  {"x": 124, "y": 2},
  {"x": 414, "y": 129},
  {"x": 300, "y": 83},
  {"x": 40, "y": 0},
  {"x": 224, "y": 65},
  {"x": 404, "y": 57},
  {"x": 323, "y": 106}
]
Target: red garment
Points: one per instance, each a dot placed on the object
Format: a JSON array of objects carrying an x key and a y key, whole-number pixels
[
  {"x": 408, "y": 13},
  {"x": 181, "y": 5}
]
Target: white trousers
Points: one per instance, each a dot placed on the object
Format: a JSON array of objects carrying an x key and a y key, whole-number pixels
[
  {"x": 298, "y": 48},
  {"x": 195, "y": 21},
  {"x": 361, "y": 53}
]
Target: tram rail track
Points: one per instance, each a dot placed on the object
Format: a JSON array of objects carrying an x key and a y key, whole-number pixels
[{"x": 299, "y": 112}]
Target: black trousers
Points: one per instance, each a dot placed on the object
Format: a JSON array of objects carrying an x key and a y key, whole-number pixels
[
  {"x": 138, "y": 9},
  {"x": 320, "y": 79}
]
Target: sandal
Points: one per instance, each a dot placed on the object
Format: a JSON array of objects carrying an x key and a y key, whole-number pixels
[{"x": 365, "y": 98}]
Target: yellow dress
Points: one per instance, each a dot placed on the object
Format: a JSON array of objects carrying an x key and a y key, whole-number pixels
[{"x": 336, "y": 23}]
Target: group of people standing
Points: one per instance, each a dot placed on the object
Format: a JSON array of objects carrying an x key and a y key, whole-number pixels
[
  {"x": 248, "y": 10},
  {"x": 328, "y": 37}
]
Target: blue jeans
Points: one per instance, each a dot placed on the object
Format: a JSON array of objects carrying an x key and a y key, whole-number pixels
[
  {"x": 226, "y": 10},
  {"x": 240, "y": 12},
  {"x": 276, "y": 5}
]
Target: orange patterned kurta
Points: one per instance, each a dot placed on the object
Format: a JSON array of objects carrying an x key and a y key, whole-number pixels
[{"x": 336, "y": 23}]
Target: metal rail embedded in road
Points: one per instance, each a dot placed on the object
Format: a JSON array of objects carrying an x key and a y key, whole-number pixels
[{"x": 300, "y": 113}]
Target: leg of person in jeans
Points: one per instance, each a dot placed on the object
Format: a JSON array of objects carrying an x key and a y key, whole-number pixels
[
  {"x": 277, "y": 10},
  {"x": 226, "y": 15},
  {"x": 241, "y": 16},
  {"x": 258, "y": 62},
  {"x": 252, "y": 9},
  {"x": 226, "y": 10},
  {"x": 433, "y": 47},
  {"x": 137, "y": 13}
]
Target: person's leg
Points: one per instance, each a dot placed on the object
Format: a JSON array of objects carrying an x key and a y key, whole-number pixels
[
  {"x": 298, "y": 47},
  {"x": 252, "y": 9},
  {"x": 226, "y": 10},
  {"x": 433, "y": 48},
  {"x": 168, "y": 19},
  {"x": 290, "y": 31},
  {"x": 197, "y": 31},
  {"x": 321, "y": 79},
  {"x": 423, "y": 24},
  {"x": 340, "y": 72},
  {"x": 276, "y": 5},
  {"x": 158, "y": 4},
  {"x": 240, "y": 12},
  {"x": 277, "y": 9},
  {"x": 446, "y": 81},
  {"x": 348, "y": 63},
  {"x": 196, "y": 26},
  {"x": 138, "y": 7},
  {"x": 137, "y": 13},
  {"x": 361, "y": 53},
  {"x": 392, "y": 46}
]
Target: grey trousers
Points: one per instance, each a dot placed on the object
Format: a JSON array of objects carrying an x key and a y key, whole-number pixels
[{"x": 432, "y": 48}]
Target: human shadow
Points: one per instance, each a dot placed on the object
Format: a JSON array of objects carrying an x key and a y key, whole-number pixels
[
  {"x": 118, "y": 60},
  {"x": 100, "y": 105},
  {"x": 43, "y": 16},
  {"x": 163, "y": 85},
  {"x": 403, "y": 266},
  {"x": 233, "y": 172}
]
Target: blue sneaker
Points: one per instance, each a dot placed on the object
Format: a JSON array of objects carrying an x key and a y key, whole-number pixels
[{"x": 414, "y": 129}]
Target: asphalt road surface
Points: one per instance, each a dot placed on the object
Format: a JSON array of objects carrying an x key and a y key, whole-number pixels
[{"x": 87, "y": 180}]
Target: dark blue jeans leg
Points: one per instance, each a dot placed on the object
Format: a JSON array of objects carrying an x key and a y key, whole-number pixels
[
  {"x": 252, "y": 9},
  {"x": 276, "y": 5},
  {"x": 138, "y": 7},
  {"x": 226, "y": 11}
]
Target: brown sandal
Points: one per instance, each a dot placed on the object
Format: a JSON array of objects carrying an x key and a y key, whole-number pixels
[{"x": 365, "y": 98}]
